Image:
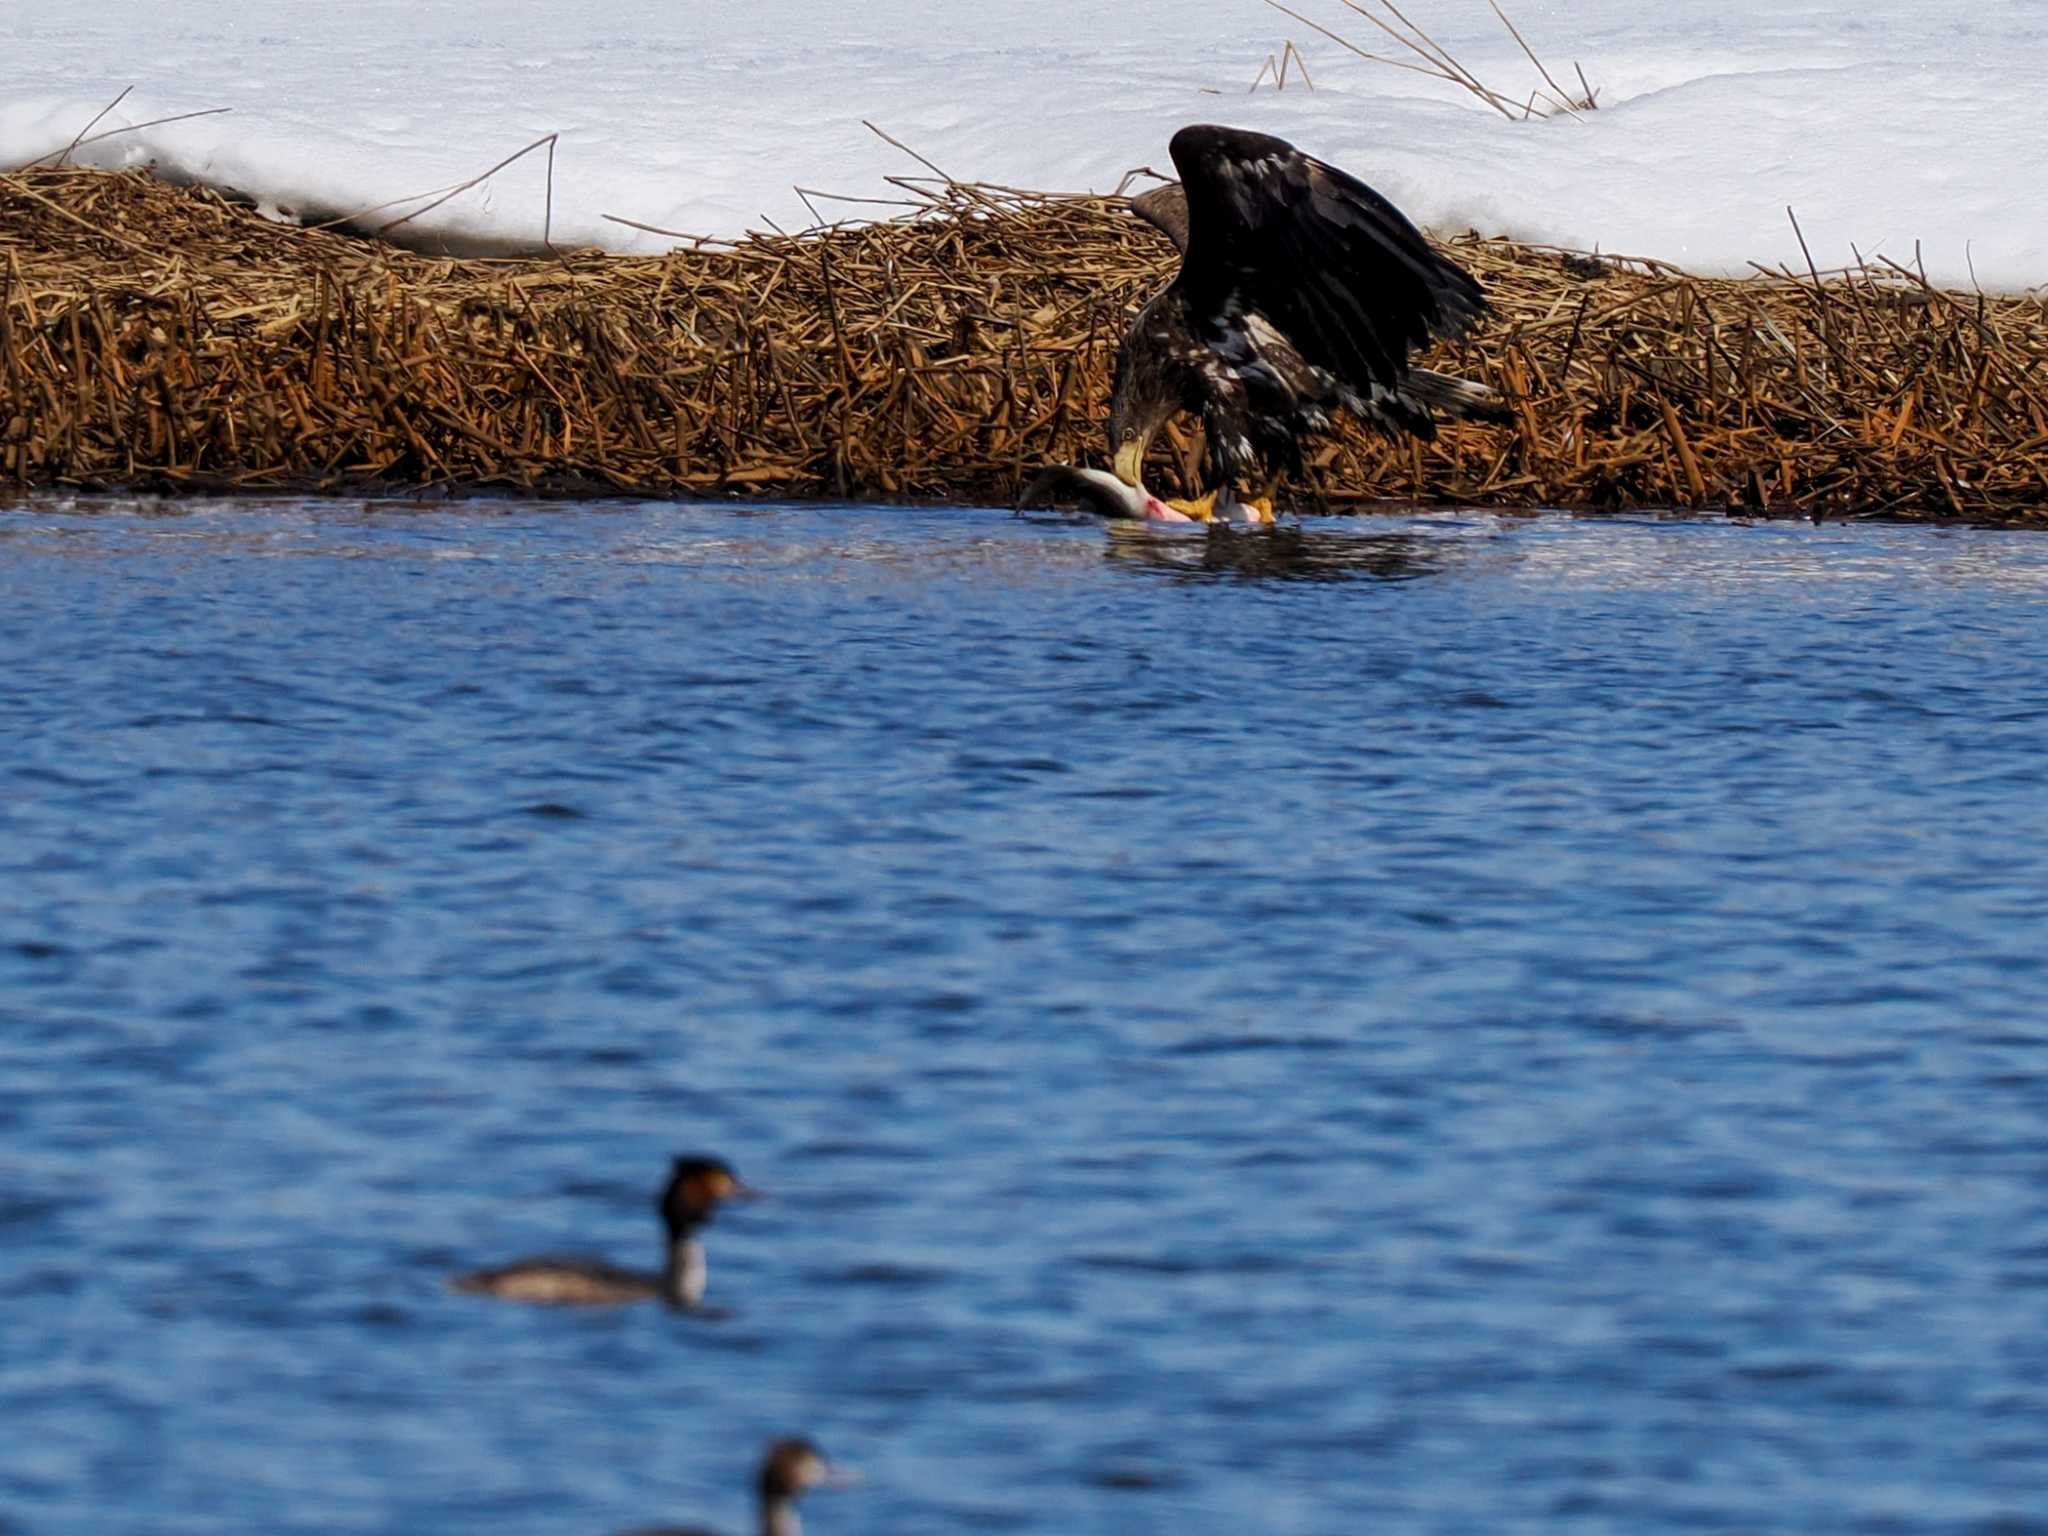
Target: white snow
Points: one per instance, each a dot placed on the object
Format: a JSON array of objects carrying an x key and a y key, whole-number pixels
[{"x": 1881, "y": 123}]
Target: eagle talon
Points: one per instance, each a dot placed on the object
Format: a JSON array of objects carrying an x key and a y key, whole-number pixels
[{"x": 1202, "y": 509}]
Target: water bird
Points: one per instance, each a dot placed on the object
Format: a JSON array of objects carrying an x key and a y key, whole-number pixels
[
  {"x": 1301, "y": 291},
  {"x": 697, "y": 1186},
  {"x": 790, "y": 1470}
]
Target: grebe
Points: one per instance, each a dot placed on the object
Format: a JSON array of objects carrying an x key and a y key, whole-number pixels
[
  {"x": 790, "y": 1470},
  {"x": 697, "y": 1187}
]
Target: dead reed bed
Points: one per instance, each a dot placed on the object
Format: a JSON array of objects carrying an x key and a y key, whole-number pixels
[{"x": 162, "y": 337}]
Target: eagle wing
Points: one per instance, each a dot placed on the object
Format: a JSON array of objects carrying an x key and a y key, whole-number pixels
[
  {"x": 1165, "y": 208},
  {"x": 1327, "y": 261}
]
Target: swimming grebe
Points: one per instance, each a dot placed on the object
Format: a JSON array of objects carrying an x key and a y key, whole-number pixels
[
  {"x": 696, "y": 1189},
  {"x": 790, "y": 1470}
]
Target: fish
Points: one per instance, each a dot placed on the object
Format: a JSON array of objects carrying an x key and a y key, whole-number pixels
[{"x": 1103, "y": 494}]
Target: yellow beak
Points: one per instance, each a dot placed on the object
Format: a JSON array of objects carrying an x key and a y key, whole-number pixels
[{"x": 1130, "y": 461}]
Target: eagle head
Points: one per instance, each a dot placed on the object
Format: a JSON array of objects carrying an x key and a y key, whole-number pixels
[{"x": 1139, "y": 404}]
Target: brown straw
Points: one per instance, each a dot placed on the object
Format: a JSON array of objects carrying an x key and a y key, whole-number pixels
[{"x": 166, "y": 337}]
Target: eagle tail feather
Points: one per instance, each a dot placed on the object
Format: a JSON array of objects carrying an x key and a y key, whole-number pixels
[{"x": 1460, "y": 399}]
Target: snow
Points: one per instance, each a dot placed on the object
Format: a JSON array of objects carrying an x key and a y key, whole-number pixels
[{"x": 1886, "y": 126}]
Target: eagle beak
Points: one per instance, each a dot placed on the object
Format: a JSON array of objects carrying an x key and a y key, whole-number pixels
[{"x": 1130, "y": 461}]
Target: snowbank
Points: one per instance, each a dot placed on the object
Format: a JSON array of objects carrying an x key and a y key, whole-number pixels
[{"x": 1881, "y": 123}]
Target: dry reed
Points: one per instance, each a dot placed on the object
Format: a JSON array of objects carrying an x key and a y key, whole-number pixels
[
  {"x": 1426, "y": 56},
  {"x": 153, "y": 336}
]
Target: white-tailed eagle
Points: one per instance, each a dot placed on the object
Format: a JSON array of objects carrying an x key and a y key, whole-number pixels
[{"x": 1301, "y": 291}]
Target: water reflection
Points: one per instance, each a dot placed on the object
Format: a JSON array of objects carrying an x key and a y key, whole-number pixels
[{"x": 1285, "y": 553}]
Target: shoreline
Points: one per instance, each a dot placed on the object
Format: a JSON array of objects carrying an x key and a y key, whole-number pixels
[{"x": 166, "y": 338}]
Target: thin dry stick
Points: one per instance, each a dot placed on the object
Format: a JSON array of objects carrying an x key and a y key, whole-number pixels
[
  {"x": 696, "y": 241},
  {"x": 1812, "y": 271},
  {"x": 547, "y": 139},
  {"x": 1300, "y": 63},
  {"x": 1277, "y": 65},
  {"x": 1430, "y": 48},
  {"x": 78, "y": 137},
  {"x": 114, "y": 133},
  {"x": 1420, "y": 46},
  {"x": 1557, "y": 90},
  {"x": 920, "y": 159},
  {"x": 1133, "y": 174},
  {"x": 1439, "y": 63},
  {"x": 1378, "y": 58},
  {"x": 547, "y": 216},
  {"x": 439, "y": 195},
  {"x": 845, "y": 197},
  {"x": 154, "y": 122},
  {"x": 1820, "y": 298}
]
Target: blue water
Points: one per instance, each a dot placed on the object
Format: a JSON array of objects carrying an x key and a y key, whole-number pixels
[{"x": 1437, "y": 1025}]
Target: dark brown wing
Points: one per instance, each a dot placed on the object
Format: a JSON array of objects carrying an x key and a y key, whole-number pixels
[
  {"x": 1165, "y": 208},
  {"x": 1321, "y": 256}
]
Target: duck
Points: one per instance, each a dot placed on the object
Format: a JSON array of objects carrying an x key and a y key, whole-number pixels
[
  {"x": 790, "y": 1469},
  {"x": 697, "y": 1186}
]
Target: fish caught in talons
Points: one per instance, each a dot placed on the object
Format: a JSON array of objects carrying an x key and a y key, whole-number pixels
[{"x": 1109, "y": 497}]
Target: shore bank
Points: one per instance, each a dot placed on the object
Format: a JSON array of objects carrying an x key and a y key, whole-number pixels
[{"x": 164, "y": 337}]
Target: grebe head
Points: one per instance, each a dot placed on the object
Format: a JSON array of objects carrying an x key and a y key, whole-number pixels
[
  {"x": 790, "y": 1470},
  {"x": 696, "y": 1188},
  {"x": 793, "y": 1468}
]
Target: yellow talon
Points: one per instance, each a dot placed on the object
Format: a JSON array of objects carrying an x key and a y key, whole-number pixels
[
  {"x": 1202, "y": 509},
  {"x": 1261, "y": 509}
]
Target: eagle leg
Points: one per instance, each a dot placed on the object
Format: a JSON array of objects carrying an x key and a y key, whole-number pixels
[
  {"x": 1259, "y": 505},
  {"x": 1202, "y": 509}
]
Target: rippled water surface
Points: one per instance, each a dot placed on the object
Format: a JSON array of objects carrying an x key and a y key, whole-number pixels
[{"x": 1433, "y": 1025}]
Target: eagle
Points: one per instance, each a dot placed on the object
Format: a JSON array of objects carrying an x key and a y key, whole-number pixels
[{"x": 1301, "y": 292}]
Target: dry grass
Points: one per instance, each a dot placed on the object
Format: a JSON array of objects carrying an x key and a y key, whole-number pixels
[
  {"x": 1423, "y": 55},
  {"x": 164, "y": 337}
]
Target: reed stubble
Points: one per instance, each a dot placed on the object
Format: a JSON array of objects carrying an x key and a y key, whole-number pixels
[{"x": 160, "y": 337}]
